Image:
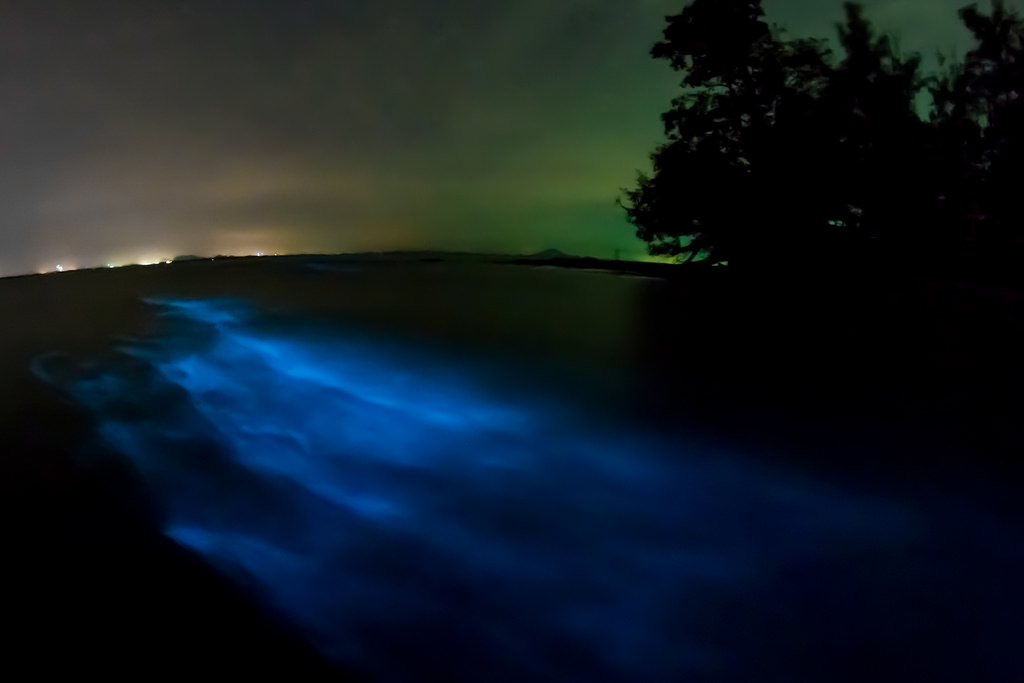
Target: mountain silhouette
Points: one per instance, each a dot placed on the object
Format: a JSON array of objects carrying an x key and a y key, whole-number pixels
[{"x": 550, "y": 254}]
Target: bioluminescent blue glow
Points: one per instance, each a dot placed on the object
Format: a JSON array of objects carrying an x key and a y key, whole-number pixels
[{"x": 412, "y": 518}]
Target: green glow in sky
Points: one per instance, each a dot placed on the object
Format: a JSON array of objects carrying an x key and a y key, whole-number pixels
[{"x": 231, "y": 126}]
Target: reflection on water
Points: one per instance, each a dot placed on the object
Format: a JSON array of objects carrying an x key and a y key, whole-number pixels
[{"x": 410, "y": 518}]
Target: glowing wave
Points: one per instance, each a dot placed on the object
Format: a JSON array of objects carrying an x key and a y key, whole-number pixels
[{"x": 413, "y": 521}]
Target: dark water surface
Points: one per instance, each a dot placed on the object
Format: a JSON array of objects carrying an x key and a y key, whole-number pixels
[{"x": 469, "y": 472}]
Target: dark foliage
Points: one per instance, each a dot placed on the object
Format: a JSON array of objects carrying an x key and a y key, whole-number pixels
[{"x": 779, "y": 152}]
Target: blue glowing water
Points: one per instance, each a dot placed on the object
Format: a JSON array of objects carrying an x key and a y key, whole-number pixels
[{"x": 413, "y": 519}]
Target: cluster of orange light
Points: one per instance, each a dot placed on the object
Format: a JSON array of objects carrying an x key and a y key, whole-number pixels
[{"x": 59, "y": 268}]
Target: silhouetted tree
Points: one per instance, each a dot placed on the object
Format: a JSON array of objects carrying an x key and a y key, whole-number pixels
[
  {"x": 775, "y": 153},
  {"x": 991, "y": 83},
  {"x": 796, "y": 195},
  {"x": 956, "y": 167},
  {"x": 710, "y": 190},
  {"x": 871, "y": 101}
]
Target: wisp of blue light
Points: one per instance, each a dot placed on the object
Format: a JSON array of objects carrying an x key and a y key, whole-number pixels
[{"x": 410, "y": 520}]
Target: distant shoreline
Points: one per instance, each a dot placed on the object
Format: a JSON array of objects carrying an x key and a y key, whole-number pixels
[
  {"x": 650, "y": 269},
  {"x": 961, "y": 270}
]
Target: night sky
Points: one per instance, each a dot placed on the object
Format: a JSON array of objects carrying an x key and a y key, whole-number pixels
[{"x": 136, "y": 130}]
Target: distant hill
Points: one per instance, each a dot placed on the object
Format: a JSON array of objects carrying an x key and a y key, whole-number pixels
[
  {"x": 187, "y": 257},
  {"x": 550, "y": 254}
]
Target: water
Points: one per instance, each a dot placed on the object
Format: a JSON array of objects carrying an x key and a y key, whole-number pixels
[{"x": 425, "y": 512}]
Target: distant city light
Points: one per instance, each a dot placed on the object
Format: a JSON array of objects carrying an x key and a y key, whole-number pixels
[
  {"x": 167, "y": 261},
  {"x": 259, "y": 253},
  {"x": 60, "y": 268},
  {"x": 110, "y": 265}
]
